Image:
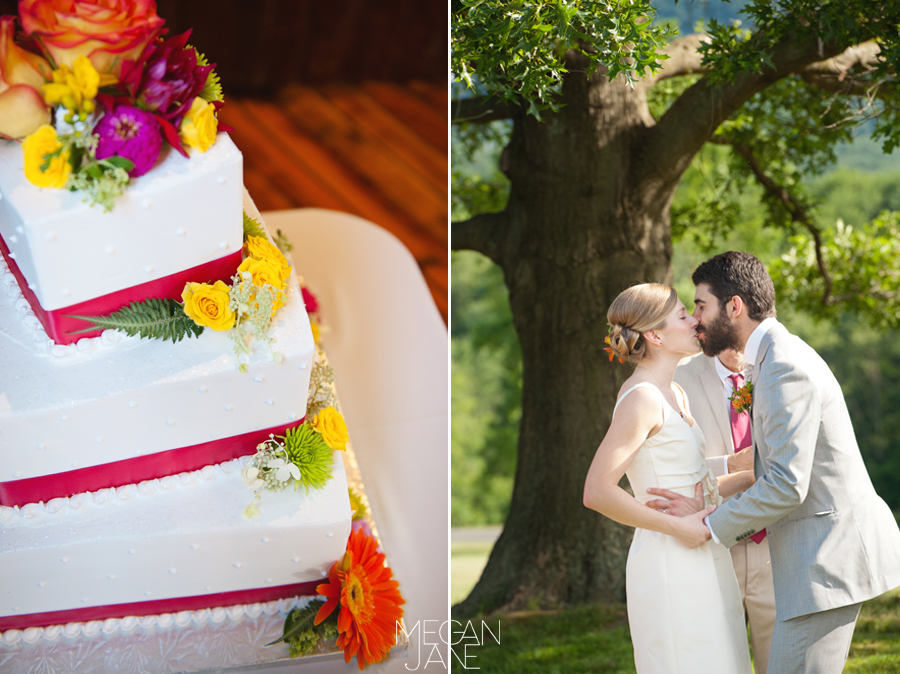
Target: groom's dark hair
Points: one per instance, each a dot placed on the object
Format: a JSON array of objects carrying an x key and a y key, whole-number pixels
[{"x": 742, "y": 274}]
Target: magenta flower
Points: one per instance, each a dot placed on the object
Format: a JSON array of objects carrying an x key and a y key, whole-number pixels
[
  {"x": 166, "y": 78},
  {"x": 312, "y": 304},
  {"x": 131, "y": 133}
]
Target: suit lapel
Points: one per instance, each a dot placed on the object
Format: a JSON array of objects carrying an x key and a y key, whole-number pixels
[
  {"x": 759, "y": 466},
  {"x": 714, "y": 390}
]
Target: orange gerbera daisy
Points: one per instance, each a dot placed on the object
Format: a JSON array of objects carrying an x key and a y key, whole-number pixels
[{"x": 369, "y": 598}]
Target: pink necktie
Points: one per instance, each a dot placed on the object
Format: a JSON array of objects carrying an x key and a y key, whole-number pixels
[{"x": 740, "y": 433}]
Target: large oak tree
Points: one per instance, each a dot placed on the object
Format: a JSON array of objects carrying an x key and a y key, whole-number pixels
[{"x": 608, "y": 113}]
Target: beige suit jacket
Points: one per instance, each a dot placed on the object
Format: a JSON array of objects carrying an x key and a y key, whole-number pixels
[{"x": 698, "y": 377}]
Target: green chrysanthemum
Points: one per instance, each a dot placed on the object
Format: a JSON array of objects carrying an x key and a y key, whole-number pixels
[
  {"x": 308, "y": 451},
  {"x": 357, "y": 505}
]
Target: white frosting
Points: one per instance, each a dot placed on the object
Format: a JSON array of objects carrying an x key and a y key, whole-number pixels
[
  {"x": 187, "y": 212},
  {"x": 186, "y": 541},
  {"x": 106, "y": 401},
  {"x": 216, "y": 615}
]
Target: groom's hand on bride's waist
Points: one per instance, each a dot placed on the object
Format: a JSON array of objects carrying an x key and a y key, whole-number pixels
[{"x": 673, "y": 503}]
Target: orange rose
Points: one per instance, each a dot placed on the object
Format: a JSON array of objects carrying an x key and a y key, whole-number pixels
[
  {"x": 22, "y": 108},
  {"x": 106, "y": 31}
]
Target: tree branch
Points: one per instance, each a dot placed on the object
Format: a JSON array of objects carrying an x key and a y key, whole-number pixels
[
  {"x": 481, "y": 233},
  {"x": 479, "y": 109},
  {"x": 795, "y": 208},
  {"x": 834, "y": 74},
  {"x": 684, "y": 59},
  {"x": 699, "y": 111}
]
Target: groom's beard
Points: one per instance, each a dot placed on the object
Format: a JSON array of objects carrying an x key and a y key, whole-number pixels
[{"x": 718, "y": 336}]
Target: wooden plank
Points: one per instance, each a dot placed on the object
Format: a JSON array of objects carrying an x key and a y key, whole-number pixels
[
  {"x": 278, "y": 166},
  {"x": 429, "y": 123},
  {"x": 370, "y": 158},
  {"x": 361, "y": 199},
  {"x": 412, "y": 148},
  {"x": 265, "y": 195},
  {"x": 437, "y": 96}
]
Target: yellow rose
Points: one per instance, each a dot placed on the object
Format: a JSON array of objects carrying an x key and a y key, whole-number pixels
[
  {"x": 330, "y": 424},
  {"x": 199, "y": 126},
  {"x": 260, "y": 248},
  {"x": 207, "y": 305},
  {"x": 264, "y": 272},
  {"x": 36, "y": 146},
  {"x": 22, "y": 108},
  {"x": 315, "y": 331},
  {"x": 76, "y": 87}
]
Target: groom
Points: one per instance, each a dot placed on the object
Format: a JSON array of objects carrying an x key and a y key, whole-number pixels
[{"x": 834, "y": 542}]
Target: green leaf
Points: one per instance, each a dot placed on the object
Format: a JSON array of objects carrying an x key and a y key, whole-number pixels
[
  {"x": 299, "y": 620},
  {"x": 153, "y": 318},
  {"x": 252, "y": 227},
  {"x": 120, "y": 162}
]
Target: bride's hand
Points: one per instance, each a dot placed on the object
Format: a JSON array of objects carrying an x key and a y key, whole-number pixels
[{"x": 676, "y": 504}]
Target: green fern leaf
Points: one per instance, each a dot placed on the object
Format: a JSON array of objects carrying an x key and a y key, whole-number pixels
[
  {"x": 252, "y": 227},
  {"x": 299, "y": 620},
  {"x": 155, "y": 318}
]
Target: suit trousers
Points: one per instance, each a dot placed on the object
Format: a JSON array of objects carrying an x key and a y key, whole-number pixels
[
  {"x": 816, "y": 643},
  {"x": 753, "y": 568}
]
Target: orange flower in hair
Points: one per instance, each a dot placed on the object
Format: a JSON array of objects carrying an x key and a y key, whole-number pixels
[{"x": 610, "y": 351}]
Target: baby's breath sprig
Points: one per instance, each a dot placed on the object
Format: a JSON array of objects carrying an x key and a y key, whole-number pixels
[
  {"x": 321, "y": 389},
  {"x": 253, "y": 306}
]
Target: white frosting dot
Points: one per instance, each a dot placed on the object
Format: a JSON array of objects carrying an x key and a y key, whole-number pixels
[
  {"x": 223, "y": 245},
  {"x": 13, "y": 239},
  {"x": 237, "y": 565},
  {"x": 180, "y": 231},
  {"x": 42, "y": 584},
  {"x": 214, "y": 435},
  {"x": 173, "y": 571},
  {"x": 148, "y": 269},
  {"x": 269, "y": 401},
  {"x": 145, "y": 204},
  {"x": 264, "y": 540},
  {"x": 268, "y": 581},
  {"x": 170, "y": 422},
  {"x": 228, "y": 408},
  {"x": 195, "y": 547},
  {"x": 112, "y": 576},
  {"x": 51, "y": 236},
  {"x": 302, "y": 366},
  {"x": 110, "y": 250},
  {"x": 98, "y": 439},
  {"x": 295, "y": 560},
  {"x": 132, "y": 551},
  {"x": 323, "y": 574},
  {"x": 132, "y": 404},
  {"x": 12, "y": 256},
  {"x": 292, "y": 416},
  {"x": 76, "y": 464},
  {"x": 67, "y": 293},
  {"x": 329, "y": 535},
  {"x": 202, "y": 389},
  {"x": 17, "y": 474},
  {"x": 221, "y": 180},
  {"x": 64, "y": 417},
  {"x": 148, "y": 593},
  {"x": 257, "y": 379},
  {"x": 64, "y": 559}
]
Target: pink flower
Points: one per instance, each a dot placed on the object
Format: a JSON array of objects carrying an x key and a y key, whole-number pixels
[
  {"x": 131, "y": 133},
  {"x": 312, "y": 304},
  {"x": 165, "y": 79}
]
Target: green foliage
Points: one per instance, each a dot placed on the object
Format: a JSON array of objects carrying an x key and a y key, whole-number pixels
[
  {"x": 212, "y": 90},
  {"x": 282, "y": 242},
  {"x": 252, "y": 227},
  {"x": 301, "y": 634},
  {"x": 863, "y": 264},
  {"x": 477, "y": 185},
  {"x": 485, "y": 393},
  {"x": 102, "y": 181},
  {"x": 308, "y": 451},
  {"x": 517, "y": 49},
  {"x": 153, "y": 318}
]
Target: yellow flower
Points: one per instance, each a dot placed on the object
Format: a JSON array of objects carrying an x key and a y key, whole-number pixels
[
  {"x": 36, "y": 147},
  {"x": 207, "y": 305},
  {"x": 260, "y": 248},
  {"x": 330, "y": 424},
  {"x": 76, "y": 87},
  {"x": 199, "y": 126},
  {"x": 315, "y": 330},
  {"x": 264, "y": 272}
]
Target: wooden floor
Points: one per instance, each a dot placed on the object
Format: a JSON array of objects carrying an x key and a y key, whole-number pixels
[{"x": 377, "y": 150}]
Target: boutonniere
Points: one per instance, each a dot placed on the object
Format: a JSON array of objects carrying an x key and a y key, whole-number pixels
[{"x": 742, "y": 398}]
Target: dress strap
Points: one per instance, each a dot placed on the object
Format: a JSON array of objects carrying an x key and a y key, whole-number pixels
[{"x": 640, "y": 384}]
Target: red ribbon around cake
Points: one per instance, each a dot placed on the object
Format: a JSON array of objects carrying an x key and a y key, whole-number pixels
[
  {"x": 135, "y": 470},
  {"x": 59, "y": 324}
]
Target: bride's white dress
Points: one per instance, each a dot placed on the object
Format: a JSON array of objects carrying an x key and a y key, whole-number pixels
[{"x": 684, "y": 605}]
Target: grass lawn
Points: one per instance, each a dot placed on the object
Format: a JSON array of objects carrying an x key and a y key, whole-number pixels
[{"x": 595, "y": 637}]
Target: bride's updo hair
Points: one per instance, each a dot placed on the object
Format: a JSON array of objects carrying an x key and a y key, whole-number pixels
[{"x": 635, "y": 311}]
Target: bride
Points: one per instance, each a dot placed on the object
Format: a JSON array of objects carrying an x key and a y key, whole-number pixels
[{"x": 684, "y": 606}]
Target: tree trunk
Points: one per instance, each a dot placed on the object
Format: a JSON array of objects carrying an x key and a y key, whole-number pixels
[{"x": 584, "y": 221}]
